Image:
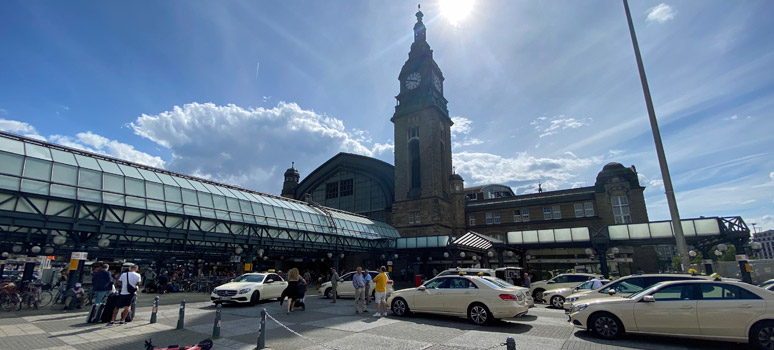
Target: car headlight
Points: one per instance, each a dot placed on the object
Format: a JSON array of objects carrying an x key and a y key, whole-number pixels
[
  {"x": 581, "y": 307},
  {"x": 244, "y": 290},
  {"x": 571, "y": 299}
]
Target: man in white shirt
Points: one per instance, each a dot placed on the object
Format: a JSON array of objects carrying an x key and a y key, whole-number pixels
[
  {"x": 130, "y": 281},
  {"x": 595, "y": 283}
]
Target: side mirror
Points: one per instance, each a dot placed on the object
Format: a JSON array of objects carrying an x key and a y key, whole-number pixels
[
  {"x": 268, "y": 281},
  {"x": 611, "y": 291},
  {"x": 648, "y": 299},
  {"x": 421, "y": 288}
]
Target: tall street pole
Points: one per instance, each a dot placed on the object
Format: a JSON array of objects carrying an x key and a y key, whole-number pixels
[{"x": 682, "y": 248}]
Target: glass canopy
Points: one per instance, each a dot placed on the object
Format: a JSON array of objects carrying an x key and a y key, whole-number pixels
[{"x": 41, "y": 168}]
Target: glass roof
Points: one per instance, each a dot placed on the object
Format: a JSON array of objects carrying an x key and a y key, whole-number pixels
[{"x": 33, "y": 166}]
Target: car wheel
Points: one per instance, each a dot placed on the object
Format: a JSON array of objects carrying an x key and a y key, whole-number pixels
[
  {"x": 557, "y": 301},
  {"x": 255, "y": 298},
  {"x": 537, "y": 294},
  {"x": 479, "y": 314},
  {"x": 329, "y": 293},
  {"x": 400, "y": 307},
  {"x": 762, "y": 335},
  {"x": 605, "y": 325}
]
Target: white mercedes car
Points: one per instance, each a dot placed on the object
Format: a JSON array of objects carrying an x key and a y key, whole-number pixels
[
  {"x": 472, "y": 297},
  {"x": 250, "y": 288},
  {"x": 555, "y": 297},
  {"x": 704, "y": 309}
]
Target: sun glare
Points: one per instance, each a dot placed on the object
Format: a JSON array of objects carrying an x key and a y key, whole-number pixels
[{"x": 456, "y": 11}]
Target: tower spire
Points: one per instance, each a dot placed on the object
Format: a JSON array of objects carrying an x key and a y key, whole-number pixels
[{"x": 419, "y": 28}]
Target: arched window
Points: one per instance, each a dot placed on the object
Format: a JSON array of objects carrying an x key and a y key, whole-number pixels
[{"x": 416, "y": 180}]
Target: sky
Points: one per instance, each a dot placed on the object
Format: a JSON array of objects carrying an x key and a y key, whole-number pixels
[{"x": 540, "y": 92}]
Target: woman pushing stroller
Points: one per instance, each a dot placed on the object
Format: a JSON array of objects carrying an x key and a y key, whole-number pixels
[{"x": 295, "y": 289}]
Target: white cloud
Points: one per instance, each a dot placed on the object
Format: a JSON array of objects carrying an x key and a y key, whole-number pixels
[
  {"x": 661, "y": 13},
  {"x": 481, "y": 168},
  {"x": 461, "y": 125},
  {"x": 90, "y": 142},
  {"x": 771, "y": 175},
  {"x": 467, "y": 141},
  {"x": 251, "y": 147},
  {"x": 550, "y": 127},
  {"x": 20, "y": 128}
]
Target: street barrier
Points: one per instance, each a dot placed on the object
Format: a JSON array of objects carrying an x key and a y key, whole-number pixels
[
  {"x": 216, "y": 326},
  {"x": 510, "y": 343},
  {"x": 155, "y": 309},
  {"x": 181, "y": 317},
  {"x": 262, "y": 330}
]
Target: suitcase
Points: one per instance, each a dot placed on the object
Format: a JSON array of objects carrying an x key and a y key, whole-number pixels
[
  {"x": 110, "y": 305},
  {"x": 95, "y": 315}
]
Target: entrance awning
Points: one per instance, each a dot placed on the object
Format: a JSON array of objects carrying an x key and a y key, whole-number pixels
[{"x": 475, "y": 241}]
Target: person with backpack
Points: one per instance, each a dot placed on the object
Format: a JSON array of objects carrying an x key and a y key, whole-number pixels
[{"x": 129, "y": 282}]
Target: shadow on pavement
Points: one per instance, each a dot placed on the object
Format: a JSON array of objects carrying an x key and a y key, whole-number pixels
[{"x": 648, "y": 342}]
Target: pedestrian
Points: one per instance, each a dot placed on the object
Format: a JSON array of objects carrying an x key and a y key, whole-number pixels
[
  {"x": 358, "y": 282},
  {"x": 367, "y": 277},
  {"x": 526, "y": 281},
  {"x": 292, "y": 290},
  {"x": 101, "y": 282},
  {"x": 77, "y": 297},
  {"x": 163, "y": 282},
  {"x": 129, "y": 282},
  {"x": 307, "y": 276},
  {"x": 595, "y": 283},
  {"x": 380, "y": 292},
  {"x": 334, "y": 278},
  {"x": 150, "y": 276}
]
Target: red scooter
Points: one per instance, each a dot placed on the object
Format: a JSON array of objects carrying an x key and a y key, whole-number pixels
[{"x": 205, "y": 344}]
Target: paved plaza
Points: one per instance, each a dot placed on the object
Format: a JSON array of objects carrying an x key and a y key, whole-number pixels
[{"x": 323, "y": 326}]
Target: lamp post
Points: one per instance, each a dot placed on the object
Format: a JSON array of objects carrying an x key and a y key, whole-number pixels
[{"x": 682, "y": 248}]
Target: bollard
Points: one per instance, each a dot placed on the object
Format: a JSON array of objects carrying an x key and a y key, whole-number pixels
[
  {"x": 262, "y": 331},
  {"x": 181, "y": 318},
  {"x": 134, "y": 306},
  {"x": 510, "y": 344},
  {"x": 155, "y": 309},
  {"x": 216, "y": 326}
]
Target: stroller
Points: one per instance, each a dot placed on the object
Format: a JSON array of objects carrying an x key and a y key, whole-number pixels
[{"x": 302, "y": 292}]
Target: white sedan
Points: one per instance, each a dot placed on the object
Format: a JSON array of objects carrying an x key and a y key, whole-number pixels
[
  {"x": 250, "y": 288},
  {"x": 713, "y": 310},
  {"x": 479, "y": 300},
  {"x": 555, "y": 297}
]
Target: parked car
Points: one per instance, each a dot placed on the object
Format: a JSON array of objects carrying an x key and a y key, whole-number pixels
[
  {"x": 346, "y": 289},
  {"x": 626, "y": 286},
  {"x": 508, "y": 285},
  {"x": 555, "y": 297},
  {"x": 565, "y": 280},
  {"x": 467, "y": 271},
  {"x": 250, "y": 288},
  {"x": 473, "y": 297},
  {"x": 767, "y": 283},
  {"x": 705, "y": 309}
]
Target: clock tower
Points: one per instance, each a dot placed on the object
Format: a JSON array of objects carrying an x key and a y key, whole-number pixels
[{"x": 425, "y": 200}]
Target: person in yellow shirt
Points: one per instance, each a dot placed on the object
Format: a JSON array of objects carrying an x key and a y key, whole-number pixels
[{"x": 380, "y": 292}]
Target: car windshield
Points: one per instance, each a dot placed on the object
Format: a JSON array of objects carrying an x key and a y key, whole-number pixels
[
  {"x": 644, "y": 291},
  {"x": 249, "y": 278},
  {"x": 499, "y": 282}
]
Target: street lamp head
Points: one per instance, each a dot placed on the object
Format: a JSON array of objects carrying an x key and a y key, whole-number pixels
[
  {"x": 722, "y": 247},
  {"x": 330, "y": 255},
  {"x": 341, "y": 256},
  {"x": 59, "y": 240},
  {"x": 528, "y": 257},
  {"x": 17, "y": 249},
  {"x": 692, "y": 253},
  {"x": 429, "y": 258},
  {"x": 419, "y": 259},
  {"x": 5, "y": 255},
  {"x": 462, "y": 254},
  {"x": 615, "y": 250},
  {"x": 383, "y": 257},
  {"x": 49, "y": 250},
  {"x": 589, "y": 251},
  {"x": 260, "y": 252},
  {"x": 395, "y": 256},
  {"x": 490, "y": 254},
  {"x": 35, "y": 249},
  {"x": 238, "y": 250},
  {"x": 756, "y": 245},
  {"x": 718, "y": 253},
  {"x": 103, "y": 243},
  {"x": 511, "y": 253},
  {"x": 445, "y": 254}
]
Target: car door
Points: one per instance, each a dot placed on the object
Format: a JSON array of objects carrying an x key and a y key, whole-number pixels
[
  {"x": 725, "y": 310},
  {"x": 430, "y": 299},
  {"x": 275, "y": 288},
  {"x": 345, "y": 288},
  {"x": 673, "y": 312},
  {"x": 460, "y": 292}
]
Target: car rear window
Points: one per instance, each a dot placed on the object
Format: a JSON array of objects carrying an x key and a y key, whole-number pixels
[{"x": 489, "y": 283}]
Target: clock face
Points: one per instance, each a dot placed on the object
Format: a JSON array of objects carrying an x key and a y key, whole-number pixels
[
  {"x": 437, "y": 83},
  {"x": 412, "y": 81}
]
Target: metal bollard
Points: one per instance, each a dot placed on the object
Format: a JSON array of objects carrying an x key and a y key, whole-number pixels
[
  {"x": 262, "y": 331},
  {"x": 155, "y": 309},
  {"x": 216, "y": 326},
  {"x": 181, "y": 318},
  {"x": 510, "y": 343}
]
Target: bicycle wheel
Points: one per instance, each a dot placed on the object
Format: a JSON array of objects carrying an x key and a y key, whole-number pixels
[
  {"x": 44, "y": 298},
  {"x": 17, "y": 301},
  {"x": 6, "y": 303}
]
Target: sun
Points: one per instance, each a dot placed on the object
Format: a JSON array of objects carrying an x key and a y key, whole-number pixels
[{"x": 456, "y": 11}]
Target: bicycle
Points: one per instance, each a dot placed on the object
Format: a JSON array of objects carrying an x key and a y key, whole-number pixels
[{"x": 9, "y": 297}]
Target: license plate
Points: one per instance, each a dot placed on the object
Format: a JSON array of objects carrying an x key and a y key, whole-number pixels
[{"x": 225, "y": 298}]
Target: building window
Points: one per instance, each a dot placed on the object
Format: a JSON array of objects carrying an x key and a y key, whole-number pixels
[
  {"x": 557, "y": 212},
  {"x": 416, "y": 180},
  {"x": 546, "y": 213},
  {"x": 413, "y": 133},
  {"x": 621, "y": 210},
  {"x": 489, "y": 218},
  {"x": 346, "y": 188},
  {"x": 332, "y": 190},
  {"x": 414, "y": 218},
  {"x": 579, "y": 210},
  {"x": 497, "y": 217},
  {"x": 589, "y": 207},
  {"x": 525, "y": 215},
  {"x": 517, "y": 215},
  {"x": 472, "y": 220}
]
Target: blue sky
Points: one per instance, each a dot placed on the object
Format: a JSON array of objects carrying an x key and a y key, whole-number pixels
[{"x": 541, "y": 91}]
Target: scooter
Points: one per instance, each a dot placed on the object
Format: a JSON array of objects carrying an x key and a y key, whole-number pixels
[{"x": 205, "y": 344}]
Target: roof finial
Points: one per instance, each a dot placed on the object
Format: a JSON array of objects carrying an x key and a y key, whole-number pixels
[
  {"x": 540, "y": 188},
  {"x": 292, "y": 165},
  {"x": 419, "y": 13},
  {"x": 454, "y": 169}
]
